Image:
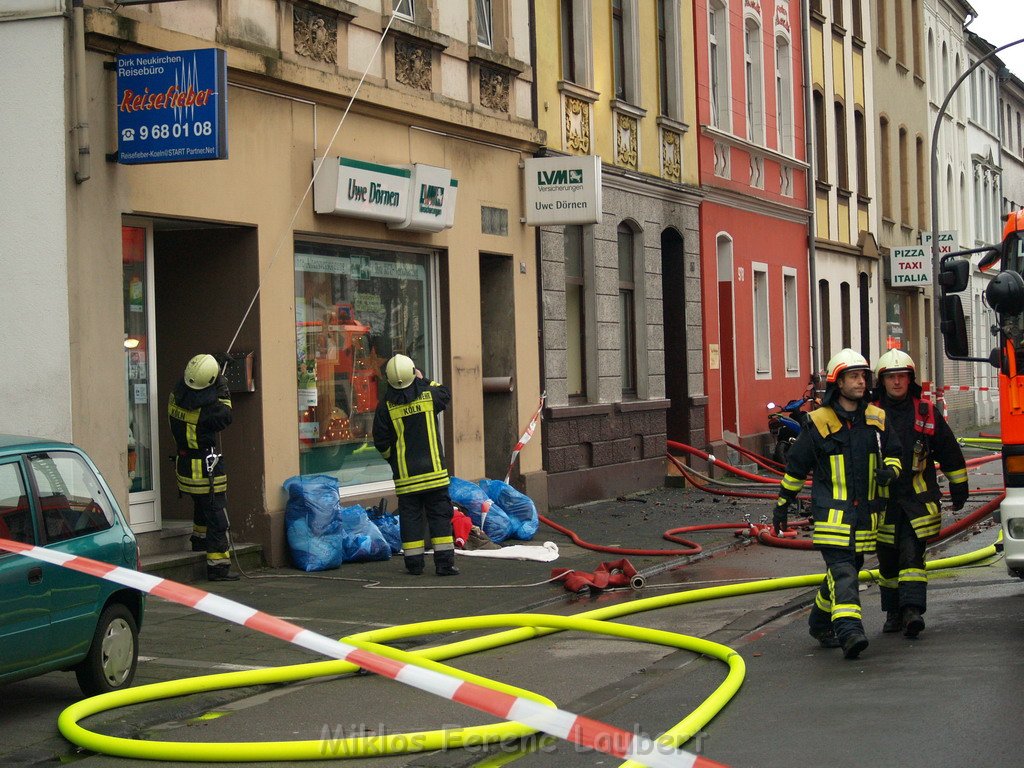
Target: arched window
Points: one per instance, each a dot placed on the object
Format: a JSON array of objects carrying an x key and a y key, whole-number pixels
[
  {"x": 784, "y": 94},
  {"x": 820, "y": 149},
  {"x": 861, "y": 146},
  {"x": 886, "y": 151},
  {"x": 753, "y": 67},
  {"x": 627, "y": 308},
  {"x": 718, "y": 61},
  {"x": 904, "y": 150},
  {"x": 842, "y": 157},
  {"x": 575, "y": 313},
  {"x": 922, "y": 195},
  {"x": 844, "y": 314}
]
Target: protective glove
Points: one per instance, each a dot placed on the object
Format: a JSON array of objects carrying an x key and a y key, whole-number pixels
[
  {"x": 780, "y": 516},
  {"x": 958, "y": 494},
  {"x": 223, "y": 391},
  {"x": 885, "y": 475}
]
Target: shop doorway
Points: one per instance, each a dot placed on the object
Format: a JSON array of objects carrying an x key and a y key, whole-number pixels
[
  {"x": 204, "y": 277},
  {"x": 498, "y": 361},
  {"x": 673, "y": 294}
]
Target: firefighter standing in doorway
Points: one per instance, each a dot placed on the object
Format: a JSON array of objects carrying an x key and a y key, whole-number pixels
[
  {"x": 199, "y": 408},
  {"x": 405, "y": 432},
  {"x": 851, "y": 453},
  {"x": 912, "y": 512}
]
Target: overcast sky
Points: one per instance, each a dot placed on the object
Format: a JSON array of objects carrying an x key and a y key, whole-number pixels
[{"x": 999, "y": 22}]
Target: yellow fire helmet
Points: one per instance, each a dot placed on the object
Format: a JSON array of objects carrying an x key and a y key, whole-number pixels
[
  {"x": 400, "y": 371},
  {"x": 201, "y": 371},
  {"x": 895, "y": 361}
]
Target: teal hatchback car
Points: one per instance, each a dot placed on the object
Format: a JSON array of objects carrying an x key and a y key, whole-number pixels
[{"x": 53, "y": 618}]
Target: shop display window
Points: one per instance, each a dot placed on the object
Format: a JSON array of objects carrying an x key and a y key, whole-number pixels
[{"x": 354, "y": 308}]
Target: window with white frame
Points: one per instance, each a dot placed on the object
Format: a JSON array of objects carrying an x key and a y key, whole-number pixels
[
  {"x": 663, "y": 58},
  {"x": 784, "y": 94},
  {"x": 567, "y": 19},
  {"x": 577, "y": 42},
  {"x": 752, "y": 67},
  {"x": 718, "y": 58},
  {"x": 624, "y": 50},
  {"x": 405, "y": 8},
  {"x": 762, "y": 339},
  {"x": 484, "y": 25},
  {"x": 791, "y": 320}
]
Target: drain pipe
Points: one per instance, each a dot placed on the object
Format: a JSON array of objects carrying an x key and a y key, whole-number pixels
[
  {"x": 83, "y": 160},
  {"x": 812, "y": 274}
]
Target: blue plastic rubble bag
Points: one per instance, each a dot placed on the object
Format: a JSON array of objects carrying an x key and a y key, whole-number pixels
[
  {"x": 362, "y": 540},
  {"x": 479, "y": 506},
  {"x": 521, "y": 511},
  {"x": 312, "y": 525},
  {"x": 388, "y": 526}
]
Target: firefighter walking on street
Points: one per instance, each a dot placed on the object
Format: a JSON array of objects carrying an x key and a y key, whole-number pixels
[
  {"x": 852, "y": 455},
  {"x": 198, "y": 409},
  {"x": 912, "y": 513},
  {"x": 405, "y": 431}
]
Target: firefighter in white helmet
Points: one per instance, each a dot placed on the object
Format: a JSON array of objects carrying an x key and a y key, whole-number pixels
[
  {"x": 199, "y": 408},
  {"x": 912, "y": 512},
  {"x": 852, "y": 454},
  {"x": 406, "y": 434}
]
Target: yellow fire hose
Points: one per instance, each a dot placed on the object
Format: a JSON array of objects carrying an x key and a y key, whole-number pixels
[{"x": 527, "y": 626}]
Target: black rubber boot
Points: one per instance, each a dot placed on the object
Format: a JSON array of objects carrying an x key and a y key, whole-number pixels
[
  {"x": 893, "y": 622},
  {"x": 912, "y": 621},
  {"x": 220, "y": 573},
  {"x": 854, "y": 643},
  {"x": 414, "y": 564},
  {"x": 827, "y": 638}
]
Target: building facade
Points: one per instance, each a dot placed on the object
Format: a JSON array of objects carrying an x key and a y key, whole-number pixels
[
  {"x": 620, "y": 294},
  {"x": 409, "y": 239},
  {"x": 754, "y": 215},
  {"x": 899, "y": 166},
  {"x": 848, "y": 273},
  {"x": 1011, "y": 98}
]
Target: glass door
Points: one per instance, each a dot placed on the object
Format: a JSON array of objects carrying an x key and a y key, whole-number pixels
[{"x": 139, "y": 366}]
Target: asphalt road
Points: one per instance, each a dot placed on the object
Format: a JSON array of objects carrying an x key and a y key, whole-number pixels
[{"x": 949, "y": 698}]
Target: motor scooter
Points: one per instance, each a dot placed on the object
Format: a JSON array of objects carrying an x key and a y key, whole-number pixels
[{"x": 785, "y": 422}]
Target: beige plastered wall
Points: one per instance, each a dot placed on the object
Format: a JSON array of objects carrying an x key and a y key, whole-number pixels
[{"x": 273, "y": 139}]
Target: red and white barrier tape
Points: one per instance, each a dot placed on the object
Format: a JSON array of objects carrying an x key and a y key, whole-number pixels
[
  {"x": 592, "y": 734},
  {"x": 928, "y": 388},
  {"x": 526, "y": 435}
]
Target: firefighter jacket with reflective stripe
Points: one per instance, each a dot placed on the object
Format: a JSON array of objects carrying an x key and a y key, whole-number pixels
[
  {"x": 196, "y": 416},
  {"x": 926, "y": 439},
  {"x": 843, "y": 450},
  {"x": 406, "y": 434}
]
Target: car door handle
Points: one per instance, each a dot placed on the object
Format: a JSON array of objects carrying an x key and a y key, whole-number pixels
[{"x": 35, "y": 575}]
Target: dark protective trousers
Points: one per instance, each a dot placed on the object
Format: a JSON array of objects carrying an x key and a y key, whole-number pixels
[
  {"x": 904, "y": 580},
  {"x": 838, "y": 601},
  {"x": 431, "y": 511},
  {"x": 210, "y": 526}
]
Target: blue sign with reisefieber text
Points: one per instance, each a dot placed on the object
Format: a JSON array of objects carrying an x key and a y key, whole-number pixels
[{"x": 172, "y": 106}]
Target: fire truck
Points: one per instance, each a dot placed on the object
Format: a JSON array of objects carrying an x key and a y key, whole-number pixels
[{"x": 1005, "y": 295}]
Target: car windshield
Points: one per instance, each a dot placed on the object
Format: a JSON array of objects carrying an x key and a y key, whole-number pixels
[{"x": 72, "y": 499}]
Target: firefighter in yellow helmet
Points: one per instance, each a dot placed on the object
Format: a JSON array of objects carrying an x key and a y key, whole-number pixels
[
  {"x": 199, "y": 408},
  {"x": 406, "y": 434},
  {"x": 912, "y": 512},
  {"x": 853, "y": 456}
]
